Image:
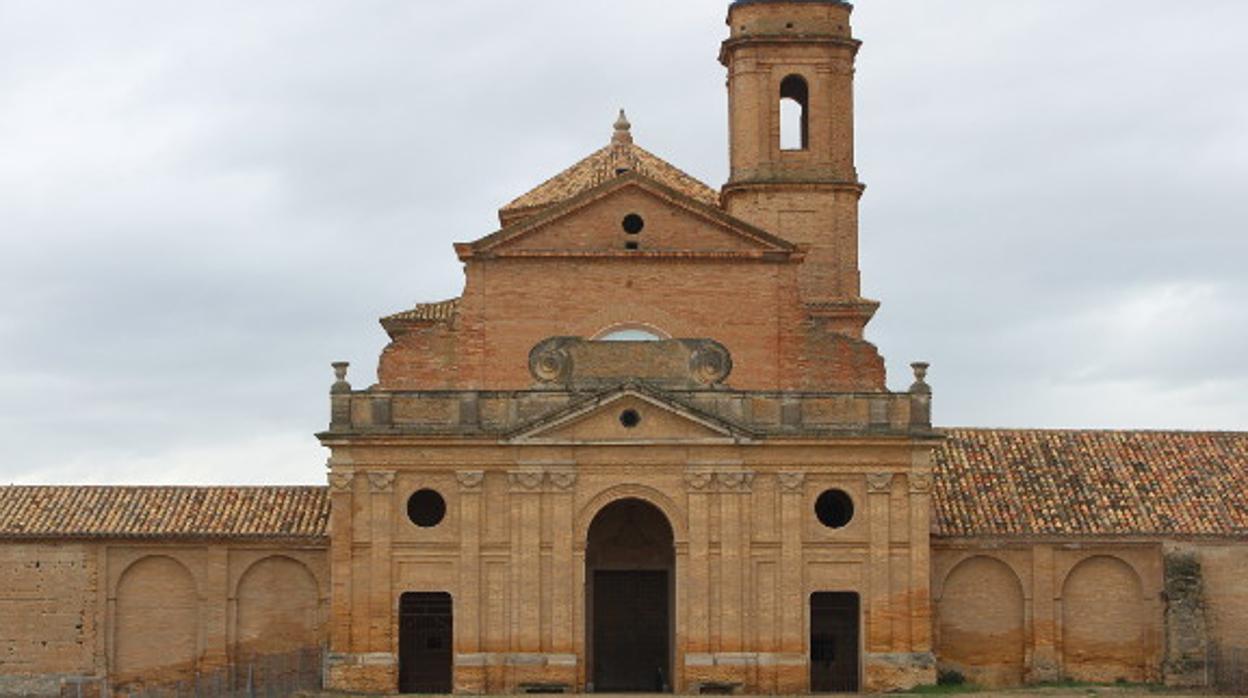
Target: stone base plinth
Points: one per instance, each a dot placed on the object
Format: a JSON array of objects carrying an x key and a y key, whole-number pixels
[
  {"x": 371, "y": 672},
  {"x": 886, "y": 672}
]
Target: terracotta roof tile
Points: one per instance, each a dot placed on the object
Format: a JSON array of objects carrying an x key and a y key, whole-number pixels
[
  {"x": 428, "y": 312},
  {"x": 988, "y": 482},
  {"x": 140, "y": 512},
  {"x": 604, "y": 164},
  {"x": 1014, "y": 482},
  {"x": 423, "y": 314}
]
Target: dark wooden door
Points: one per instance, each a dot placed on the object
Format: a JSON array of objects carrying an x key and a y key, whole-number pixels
[
  {"x": 631, "y": 631},
  {"x": 425, "y": 643},
  {"x": 834, "y": 649}
]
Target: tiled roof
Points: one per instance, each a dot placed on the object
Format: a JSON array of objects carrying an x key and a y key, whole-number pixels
[
  {"x": 442, "y": 311},
  {"x": 988, "y": 483},
  {"x": 1013, "y": 482},
  {"x": 428, "y": 312},
  {"x": 144, "y": 512},
  {"x": 604, "y": 164}
]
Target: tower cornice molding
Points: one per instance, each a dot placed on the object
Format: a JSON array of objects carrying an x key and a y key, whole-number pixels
[
  {"x": 789, "y": 185},
  {"x": 737, "y": 42}
]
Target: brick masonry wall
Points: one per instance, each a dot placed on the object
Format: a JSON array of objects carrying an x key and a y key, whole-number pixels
[
  {"x": 749, "y": 551},
  {"x": 1224, "y": 569},
  {"x": 155, "y": 612},
  {"x": 1014, "y": 611},
  {"x": 49, "y": 616}
]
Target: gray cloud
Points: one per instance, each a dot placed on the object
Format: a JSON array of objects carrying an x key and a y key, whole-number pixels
[{"x": 203, "y": 203}]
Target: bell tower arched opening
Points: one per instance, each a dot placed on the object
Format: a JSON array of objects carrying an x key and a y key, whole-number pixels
[
  {"x": 630, "y": 571},
  {"x": 794, "y": 113}
]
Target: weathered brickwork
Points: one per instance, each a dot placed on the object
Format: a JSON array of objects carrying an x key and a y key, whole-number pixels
[
  {"x": 527, "y": 500},
  {"x": 123, "y": 614},
  {"x": 49, "y": 614},
  {"x": 1009, "y": 612}
]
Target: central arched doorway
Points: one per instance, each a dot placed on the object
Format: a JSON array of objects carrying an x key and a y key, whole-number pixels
[{"x": 630, "y": 566}]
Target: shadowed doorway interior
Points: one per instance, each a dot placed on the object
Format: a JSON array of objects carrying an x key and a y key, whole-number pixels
[
  {"x": 834, "y": 644},
  {"x": 630, "y": 572},
  {"x": 425, "y": 642}
]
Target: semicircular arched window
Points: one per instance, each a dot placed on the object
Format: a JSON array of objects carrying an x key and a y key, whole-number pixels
[{"x": 629, "y": 334}]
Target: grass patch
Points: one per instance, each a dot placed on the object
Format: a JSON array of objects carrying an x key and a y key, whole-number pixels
[
  {"x": 944, "y": 689},
  {"x": 1093, "y": 687}
]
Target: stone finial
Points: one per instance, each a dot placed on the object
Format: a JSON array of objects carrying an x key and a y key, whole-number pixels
[
  {"x": 340, "y": 377},
  {"x": 623, "y": 131},
  {"x": 920, "y": 377}
]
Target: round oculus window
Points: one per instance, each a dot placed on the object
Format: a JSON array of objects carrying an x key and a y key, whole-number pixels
[
  {"x": 630, "y": 418},
  {"x": 426, "y": 508},
  {"x": 633, "y": 224},
  {"x": 834, "y": 508}
]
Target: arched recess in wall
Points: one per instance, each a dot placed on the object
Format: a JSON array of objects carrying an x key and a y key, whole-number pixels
[
  {"x": 1104, "y": 622},
  {"x": 980, "y": 617},
  {"x": 157, "y": 622},
  {"x": 278, "y": 609}
]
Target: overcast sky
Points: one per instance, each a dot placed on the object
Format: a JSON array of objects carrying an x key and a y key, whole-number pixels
[{"x": 203, "y": 203}]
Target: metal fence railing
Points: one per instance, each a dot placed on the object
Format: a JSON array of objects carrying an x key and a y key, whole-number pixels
[
  {"x": 1230, "y": 670},
  {"x": 260, "y": 676}
]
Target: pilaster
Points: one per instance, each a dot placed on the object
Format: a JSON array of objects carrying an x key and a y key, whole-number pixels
[
  {"x": 341, "y": 484},
  {"x": 525, "y": 488},
  {"x": 384, "y": 610},
  {"x": 1044, "y": 665},
  {"x": 562, "y": 485},
  {"x": 467, "y": 631},
  {"x": 697, "y": 591},
  {"x": 792, "y": 679},
  {"x": 920, "y": 562},
  {"x": 878, "y": 627},
  {"x": 733, "y": 487}
]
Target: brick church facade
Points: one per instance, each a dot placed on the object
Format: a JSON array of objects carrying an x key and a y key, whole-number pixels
[{"x": 649, "y": 448}]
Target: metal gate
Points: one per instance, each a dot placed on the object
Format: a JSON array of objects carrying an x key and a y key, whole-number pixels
[
  {"x": 834, "y": 645},
  {"x": 425, "y": 642}
]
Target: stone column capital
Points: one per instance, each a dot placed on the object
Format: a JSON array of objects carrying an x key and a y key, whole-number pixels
[
  {"x": 920, "y": 483},
  {"x": 341, "y": 479},
  {"x": 879, "y": 482},
  {"x": 470, "y": 480},
  {"x": 381, "y": 480},
  {"x": 562, "y": 480},
  {"x": 735, "y": 481},
  {"x": 791, "y": 482},
  {"x": 525, "y": 480},
  {"x": 699, "y": 480}
]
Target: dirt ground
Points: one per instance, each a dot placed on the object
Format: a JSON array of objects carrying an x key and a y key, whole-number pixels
[{"x": 1073, "y": 691}]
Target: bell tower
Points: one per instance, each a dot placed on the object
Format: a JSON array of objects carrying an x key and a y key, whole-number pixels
[{"x": 791, "y": 130}]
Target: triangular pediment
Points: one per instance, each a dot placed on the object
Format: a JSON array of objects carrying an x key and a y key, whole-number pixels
[
  {"x": 630, "y": 416},
  {"x": 592, "y": 224}
]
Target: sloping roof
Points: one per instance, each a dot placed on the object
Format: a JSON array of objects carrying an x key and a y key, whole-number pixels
[
  {"x": 988, "y": 483},
  {"x": 605, "y": 164},
  {"x": 144, "y": 512},
  {"x": 423, "y": 313},
  {"x": 1014, "y": 482},
  {"x": 764, "y": 244}
]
